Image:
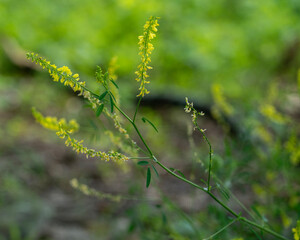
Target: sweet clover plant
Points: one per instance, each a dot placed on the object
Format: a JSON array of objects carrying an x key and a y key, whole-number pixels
[{"x": 107, "y": 103}]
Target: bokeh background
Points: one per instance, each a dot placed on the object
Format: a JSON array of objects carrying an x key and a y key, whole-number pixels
[{"x": 237, "y": 60}]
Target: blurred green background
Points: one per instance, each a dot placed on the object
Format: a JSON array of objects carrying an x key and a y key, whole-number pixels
[{"x": 236, "y": 58}]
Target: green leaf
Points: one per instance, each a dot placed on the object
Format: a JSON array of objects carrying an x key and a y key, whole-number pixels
[
  {"x": 148, "y": 177},
  {"x": 111, "y": 104},
  {"x": 102, "y": 95},
  {"x": 164, "y": 218},
  {"x": 155, "y": 170},
  {"x": 203, "y": 181},
  {"x": 143, "y": 163},
  {"x": 99, "y": 110},
  {"x": 114, "y": 83},
  {"x": 110, "y": 93},
  {"x": 146, "y": 120},
  {"x": 180, "y": 173}
]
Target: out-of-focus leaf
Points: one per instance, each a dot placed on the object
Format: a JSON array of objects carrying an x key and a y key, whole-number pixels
[
  {"x": 99, "y": 110},
  {"x": 143, "y": 163},
  {"x": 148, "y": 177},
  {"x": 146, "y": 120}
]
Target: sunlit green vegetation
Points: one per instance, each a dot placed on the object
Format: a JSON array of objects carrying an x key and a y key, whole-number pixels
[{"x": 236, "y": 60}]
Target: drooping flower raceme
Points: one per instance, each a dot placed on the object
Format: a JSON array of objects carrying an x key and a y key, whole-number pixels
[
  {"x": 66, "y": 77},
  {"x": 92, "y": 192},
  {"x": 52, "y": 123},
  {"x": 146, "y": 48},
  {"x": 64, "y": 129},
  {"x": 79, "y": 148}
]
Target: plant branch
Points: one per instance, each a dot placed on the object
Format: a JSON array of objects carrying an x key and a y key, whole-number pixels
[
  {"x": 136, "y": 109},
  {"x": 228, "y": 209}
]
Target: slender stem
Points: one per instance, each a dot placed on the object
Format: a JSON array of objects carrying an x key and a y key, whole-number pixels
[
  {"x": 210, "y": 160},
  {"x": 264, "y": 229},
  {"x": 136, "y": 129},
  {"x": 139, "y": 157},
  {"x": 222, "y": 229},
  {"x": 223, "y": 204},
  {"x": 234, "y": 197},
  {"x": 145, "y": 144},
  {"x": 210, "y": 155},
  {"x": 238, "y": 217},
  {"x": 136, "y": 109},
  {"x": 179, "y": 177}
]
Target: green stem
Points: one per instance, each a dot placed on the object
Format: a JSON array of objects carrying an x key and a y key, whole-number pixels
[
  {"x": 179, "y": 177},
  {"x": 228, "y": 209},
  {"x": 139, "y": 157},
  {"x": 136, "y": 109},
  {"x": 136, "y": 129},
  {"x": 223, "y": 204},
  {"x": 210, "y": 158},
  {"x": 222, "y": 229},
  {"x": 234, "y": 197},
  {"x": 264, "y": 229}
]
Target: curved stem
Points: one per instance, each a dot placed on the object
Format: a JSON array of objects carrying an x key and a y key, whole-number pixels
[
  {"x": 210, "y": 159},
  {"x": 139, "y": 157},
  {"x": 222, "y": 229},
  {"x": 136, "y": 129},
  {"x": 179, "y": 177},
  {"x": 264, "y": 229},
  {"x": 206, "y": 190},
  {"x": 234, "y": 197},
  {"x": 136, "y": 109}
]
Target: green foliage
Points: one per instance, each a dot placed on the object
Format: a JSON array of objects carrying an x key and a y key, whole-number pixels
[
  {"x": 148, "y": 121},
  {"x": 65, "y": 76},
  {"x": 148, "y": 177},
  {"x": 241, "y": 61}
]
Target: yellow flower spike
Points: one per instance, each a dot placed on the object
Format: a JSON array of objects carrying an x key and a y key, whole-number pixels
[
  {"x": 63, "y": 130},
  {"x": 79, "y": 148},
  {"x": 220, "y": 101},
  {"x": 66, "y": 77},
  {"x": 92, "y": 192},
  {"x": 146, "y": 49},
  {"x": 52, "y": 123},
  {"x": 270, "y": 112}
]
